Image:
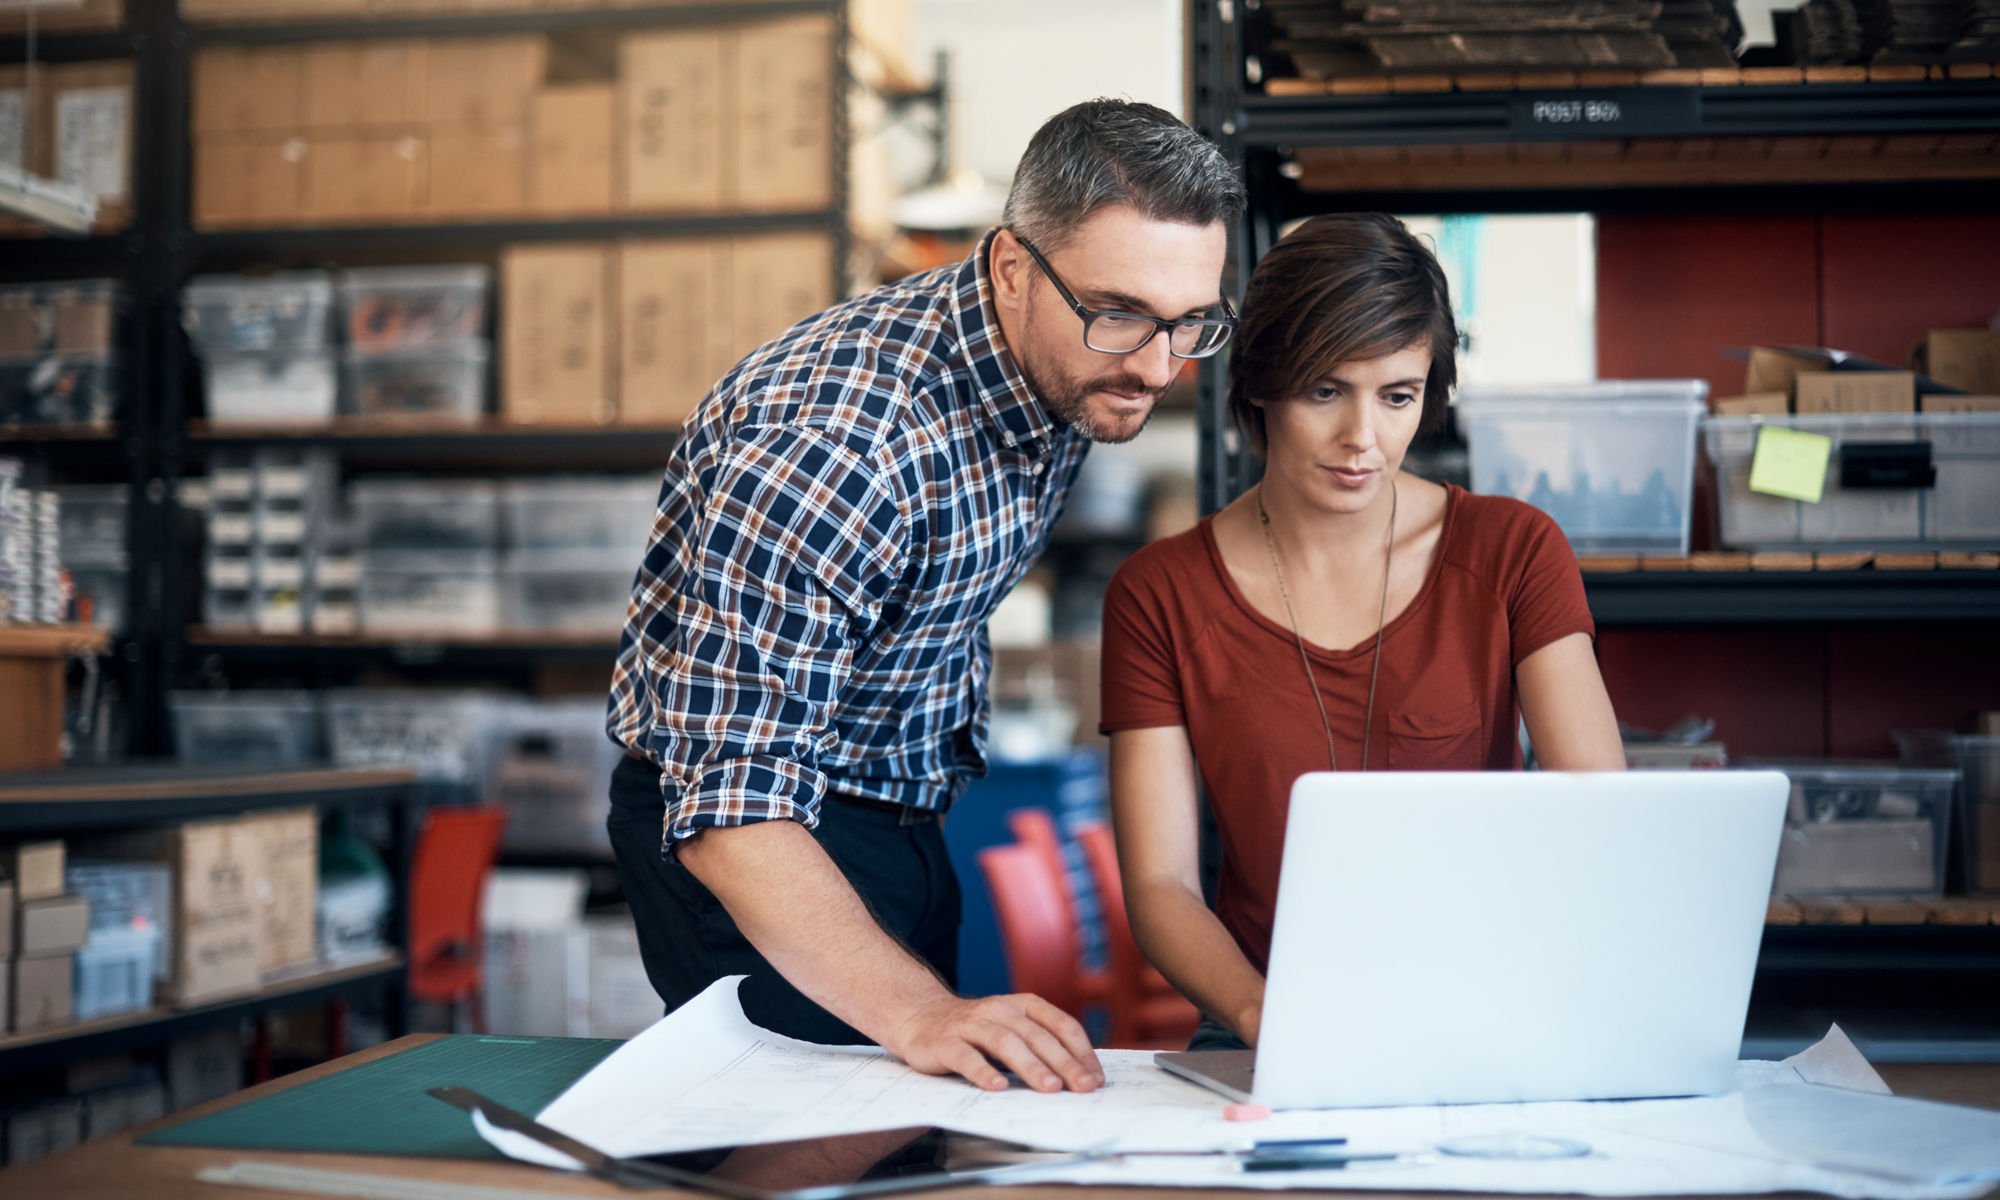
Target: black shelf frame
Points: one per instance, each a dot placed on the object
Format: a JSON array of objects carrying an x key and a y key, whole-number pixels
[
  {"x": 1655, "y": 598},
  {"x": 153, "y": 447}
]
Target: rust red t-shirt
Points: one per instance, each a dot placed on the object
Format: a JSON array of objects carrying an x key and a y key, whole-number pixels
[{"x": 1183, "y": 647}]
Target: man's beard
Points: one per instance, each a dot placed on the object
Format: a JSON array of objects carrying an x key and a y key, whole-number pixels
[{"x": 1067, "y": 400}]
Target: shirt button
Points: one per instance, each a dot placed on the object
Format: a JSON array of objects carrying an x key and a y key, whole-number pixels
[{"x": 1038, "y": 468}]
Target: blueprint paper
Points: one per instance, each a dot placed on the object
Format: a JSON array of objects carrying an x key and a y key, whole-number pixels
[{"x": 704, "y": 1076}]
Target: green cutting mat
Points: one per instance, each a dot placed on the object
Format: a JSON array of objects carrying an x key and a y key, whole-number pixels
[{"x": 380, "y": 1107}]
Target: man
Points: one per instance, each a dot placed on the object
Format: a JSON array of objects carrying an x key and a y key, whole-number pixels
[{"x": 802, "y": 683}]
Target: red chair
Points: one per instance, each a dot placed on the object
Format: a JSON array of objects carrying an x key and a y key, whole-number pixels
[
  {"x": 1036, "y": 931},
  {"x": 454, "y": 853},
  {"x": 1145, "y": 1008},
  {"x": 1035, "y": 829}
]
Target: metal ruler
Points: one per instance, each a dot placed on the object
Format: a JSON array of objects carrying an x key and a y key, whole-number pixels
[{"x": 356, "y": 1186}]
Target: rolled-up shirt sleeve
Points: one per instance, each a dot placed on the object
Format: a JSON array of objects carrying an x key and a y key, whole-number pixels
[{"x": 797, "y": 548}]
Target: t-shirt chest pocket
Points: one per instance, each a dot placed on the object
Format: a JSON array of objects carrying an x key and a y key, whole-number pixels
[{"x": 1435, "y": 739}]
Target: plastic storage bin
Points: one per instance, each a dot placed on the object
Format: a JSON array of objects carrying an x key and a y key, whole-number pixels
[
  {"x": 581, "y": 514},
  {"x": 576, "y": 592},
  {"x": 70, "y": 317},
  {"x": 430, "y": 594},
  {"x": 1911, "y": 481},
  {"x": 1612, "y": 462},
  {"x": 551, "y": 770},
  {"x": 275, "y": 728},
  {"x": 115, "y": 972},
  {"x": 286, "y": 387},
  {"x": 437, "y": 382},
  {"x": 128, "y": 895},
  {"x": 60, "y": 389},
  {"x": 1864, "y": 828},
  {"x": 423, "y": 516},
  {"x": 445, "y": 737},
  {"x": 1976, "y": 832},
  {"x": 273, "y": 314},
  {"x": 388, "y": 309}
]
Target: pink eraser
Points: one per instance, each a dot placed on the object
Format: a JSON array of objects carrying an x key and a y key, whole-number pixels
[{"x": 1245, "y": 1112}]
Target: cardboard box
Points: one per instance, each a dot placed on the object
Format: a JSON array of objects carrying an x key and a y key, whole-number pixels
[
  {"x": 249, "y": 89},
  {"x": 1964, "y": 358},
  {"x": 784, "y": 116},
  {"x": 483, "y": 83},
  {"x": 36, "y": 869},
  {"x": 673, "y": 336},
  {"x": 674, "y": 113},
  {"x": 217, "y": 924},
  {"x": 776, "y": 280},
  {"x": 1856, "y": 392},
  {"x": 16, "y": 119},
  {"x": 1770, "y": 404},
  {"x": 365, "y": 87},
  {"x": 6, "y": 928},
  {"x": 1774, "y": 370},
  {"x": 363, "y": 179},
  {"x": 252, "y": 181},
  {"x": 56, "y": 925},
  {"x": 42, "y": 997},
  {"x": 478, "y": 173},
  {"x": 287, "y": 886},
  {"x": 557, "y": 334},
  {"x": 570, "y": 167},
  {"x": 87, "y": 123}
]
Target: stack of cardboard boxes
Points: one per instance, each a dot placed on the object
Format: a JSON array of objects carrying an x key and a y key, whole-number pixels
[
  {"x": 736, "y": 118},
  {"x": 42, "y": 929}
]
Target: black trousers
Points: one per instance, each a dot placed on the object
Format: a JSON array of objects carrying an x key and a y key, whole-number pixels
[{"x": 688, "y": 940}]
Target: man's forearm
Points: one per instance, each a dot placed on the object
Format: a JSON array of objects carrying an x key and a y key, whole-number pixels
[{"x": 803, "y": 916}]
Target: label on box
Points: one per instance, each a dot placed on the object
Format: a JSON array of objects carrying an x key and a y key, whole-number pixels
[
  {"x": 91, "y": 125},
  {"x": 1790, "y": 463}
]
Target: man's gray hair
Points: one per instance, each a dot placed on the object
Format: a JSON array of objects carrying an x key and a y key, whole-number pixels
[{"x": 1104, "y": 152}]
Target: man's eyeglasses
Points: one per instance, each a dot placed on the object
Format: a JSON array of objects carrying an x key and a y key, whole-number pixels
[{"x": 1110, "y": 331}]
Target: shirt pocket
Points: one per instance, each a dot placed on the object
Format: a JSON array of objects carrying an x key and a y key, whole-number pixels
[{"x": 1442, "y": 739}]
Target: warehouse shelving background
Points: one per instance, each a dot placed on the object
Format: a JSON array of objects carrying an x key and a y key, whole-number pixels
[{"x": 155, "y": 445}]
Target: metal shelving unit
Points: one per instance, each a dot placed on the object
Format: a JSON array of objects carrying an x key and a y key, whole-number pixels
[{"x": 155, "y": 445}]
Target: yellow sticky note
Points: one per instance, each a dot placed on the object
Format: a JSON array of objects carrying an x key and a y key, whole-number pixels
[{"x": 1790, "y": 463}]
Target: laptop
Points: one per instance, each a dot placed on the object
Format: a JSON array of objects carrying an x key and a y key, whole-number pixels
[{"x": 1461, "y": 938}]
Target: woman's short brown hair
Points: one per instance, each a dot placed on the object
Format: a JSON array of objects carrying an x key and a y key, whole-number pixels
[{"x": 1340, "y": 289}]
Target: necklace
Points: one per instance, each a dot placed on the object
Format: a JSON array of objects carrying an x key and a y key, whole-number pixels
[{"x": 1381, "y": 619}]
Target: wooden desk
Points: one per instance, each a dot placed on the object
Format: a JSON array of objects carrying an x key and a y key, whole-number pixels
[{"x": 114, "y": 1168}]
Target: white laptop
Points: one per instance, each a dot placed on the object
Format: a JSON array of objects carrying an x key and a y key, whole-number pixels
[{"x": 1448, "y": 938}]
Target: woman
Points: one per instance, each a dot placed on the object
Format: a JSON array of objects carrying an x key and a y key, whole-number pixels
[{"x": 1341, "y": 614}]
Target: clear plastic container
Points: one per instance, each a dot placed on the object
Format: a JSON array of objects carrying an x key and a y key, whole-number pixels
[
  {"x": 273, "y": 314},
  {"x": 389, "y": 309},
  {"x": 272, "y": 728},
  {"x": 1976, "y": 832},
  {"x": 430, "y": 594},
  {"x": 1958, "y": 510},
  {"x": 1853, "y": 829},
  {"x": 445, "y": 737},
  {"x": 115, "y": 972},
  {"x": 575, "y": 592},
  {"x": 286, "y": 387},
  {"x": 128, "y": 895},
  {"x": 100, "y": 596},
  {"x": 434, "y": 381},
  {"x": 581, "y": 514},
  {"x": 71, "y": 317},
  {"x": 1612, "y": 462},
  {"x": 551, "y": 770},
  {"x": 60, "y": 389},
  {"x": 426, "y": 516},
  {"x": 93, "y": 525}
]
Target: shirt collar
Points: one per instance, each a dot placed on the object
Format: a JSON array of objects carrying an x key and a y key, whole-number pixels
[{"x": 1010, "y": 404}]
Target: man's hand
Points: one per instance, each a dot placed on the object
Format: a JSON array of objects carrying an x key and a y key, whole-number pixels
[{"x": 1024, "y": 1034}]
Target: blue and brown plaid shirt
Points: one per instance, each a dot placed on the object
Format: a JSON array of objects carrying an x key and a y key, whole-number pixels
[{"x": 842, "y": 514}]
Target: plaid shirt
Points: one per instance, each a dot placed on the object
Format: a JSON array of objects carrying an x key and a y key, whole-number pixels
[{"x": 840, "y": 517}]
